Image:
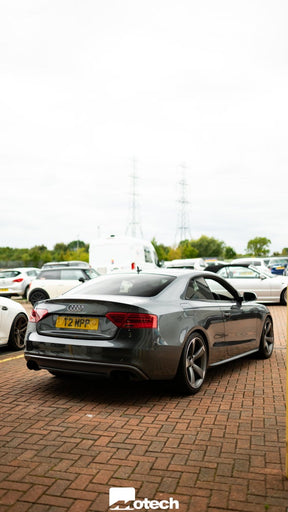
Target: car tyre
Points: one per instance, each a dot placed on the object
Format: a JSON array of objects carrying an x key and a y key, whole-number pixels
[
  {"x": 17, "y": 332},
  {"x": 38, "y": 295},
  {"x": 267, "y": 339},
  {"x": 193, "y": 364},
  {"x": 283, "y": 298}
]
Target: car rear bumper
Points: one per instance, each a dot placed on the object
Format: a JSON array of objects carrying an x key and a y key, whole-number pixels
[
  {"x": 9, "y": 291},
  {"x": 37, "y": 362},
  {"x": 143, "y": 358}
]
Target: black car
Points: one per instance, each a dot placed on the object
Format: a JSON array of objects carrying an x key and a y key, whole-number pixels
[{"x": 162, "y": 325}]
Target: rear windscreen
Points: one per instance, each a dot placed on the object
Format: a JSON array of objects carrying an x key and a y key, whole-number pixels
[
  {"x": 9, "y": 273},
  {"x": 139, "y": 285}
]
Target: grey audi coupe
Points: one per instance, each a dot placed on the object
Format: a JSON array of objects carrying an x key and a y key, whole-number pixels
[{"x": 167, "y": 324}]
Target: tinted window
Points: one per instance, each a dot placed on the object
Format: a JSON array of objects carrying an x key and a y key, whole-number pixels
[
  {"x": 129, "y": 284},
  {"x": 198, "y": 290},
  {"x": 219, "y": 291},
  {"x": 9, "y": 273},
  {"x": 72, "y": 274},
  {"x": 201, "y": 288},
  {"x": 49, "y": 274}
]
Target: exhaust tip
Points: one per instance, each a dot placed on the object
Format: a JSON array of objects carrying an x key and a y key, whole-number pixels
[{"x": 32, "y": 365}]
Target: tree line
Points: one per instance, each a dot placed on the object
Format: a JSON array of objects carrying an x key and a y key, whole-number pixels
[{"x": 203, "y": 247}]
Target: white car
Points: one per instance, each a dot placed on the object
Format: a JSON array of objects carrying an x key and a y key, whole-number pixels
[
  {"x": 256, "y": 262},
  {"x": 246, "y": 278},
  {"x": 16, "y": 281},
  {"x": 52, "y": 282},
  {"x": 13, "y": 324}
]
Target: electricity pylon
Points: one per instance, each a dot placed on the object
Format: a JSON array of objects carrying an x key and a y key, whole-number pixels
[
  {"x": 183, "y": 227},
  {"x": 134, "y": 226}
]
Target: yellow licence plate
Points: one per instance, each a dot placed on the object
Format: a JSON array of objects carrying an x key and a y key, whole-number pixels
[
  {"x": 3, "y": 289},
  {"x": 76, "y": 322}
]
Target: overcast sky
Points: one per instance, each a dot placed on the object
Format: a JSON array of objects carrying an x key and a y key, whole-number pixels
[{"x": 89, "y": 85}]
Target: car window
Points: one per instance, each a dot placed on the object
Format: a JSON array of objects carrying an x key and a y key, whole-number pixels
[
  {"x": 72, "y": 274},
  {"x": 220, "y": 292},
  {"x": 32, "y": 273},
  {"x": 147, "y": 255},
  {"x": 139, "y": 285},
  {"x": 242, "y": 273},
  {"x": 223, "y": 272},
  {"x": 238, "y": 273},
  {"x": 91, "y": 273},
  {"x": 279, "y": 261},
  {"x": 9, "y": 273},
  {"x": 198, "y": 290},
  {"x": 201, "y": 288},
  {"x": 49, "y": 274}
]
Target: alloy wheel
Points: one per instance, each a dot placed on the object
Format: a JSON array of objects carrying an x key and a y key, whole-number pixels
[
  {"x": 193, "y": 364},
  {"x": 267, "y": 338},
  {"x": 18, "y": 331}
]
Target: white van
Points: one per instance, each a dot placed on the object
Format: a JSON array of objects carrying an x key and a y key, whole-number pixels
[{"x": 121, "y": 253}]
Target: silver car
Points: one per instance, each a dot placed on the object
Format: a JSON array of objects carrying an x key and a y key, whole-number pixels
[
  {"x": 16, "y": 281},
  {"x": 163, "y": 325},
  {"x": 268, "y": 288}
]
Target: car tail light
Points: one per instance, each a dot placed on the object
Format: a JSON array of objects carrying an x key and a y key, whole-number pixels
[
  {"x": 37, "y": 314},
  {"x": 19, "y": 280},
  {"x": 133, "y": 320}
]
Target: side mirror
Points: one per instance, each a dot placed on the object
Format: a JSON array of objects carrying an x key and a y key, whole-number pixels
[
  {"x": 81, "y": 279},
  {"x": 249, "y": 296}
]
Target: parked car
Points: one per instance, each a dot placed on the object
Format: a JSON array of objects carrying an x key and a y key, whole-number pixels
[
  {"x": 267, "y": 287},
  {"x": 256, "y": 262},
  {"x": 75, "y": 263},
  {"x": 13, "y": 324},
  {"x": 52, "y": 282},
  {"x": 278, "y": 270},
  {"x": 277, "y": 265},
  {"x": 192, "y": 263},
  {"x": 16, "y": 281},
  {"x": 161, "y": 325}
]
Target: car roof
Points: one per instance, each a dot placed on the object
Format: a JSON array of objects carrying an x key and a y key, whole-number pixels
[
  {"x": 65, "y": 263},
  {"x": 52, "y": 269},
  {"x": 20, "y": 269}
]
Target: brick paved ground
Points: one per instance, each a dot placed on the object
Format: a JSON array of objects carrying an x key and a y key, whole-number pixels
[{"x": 64, "y": 444}]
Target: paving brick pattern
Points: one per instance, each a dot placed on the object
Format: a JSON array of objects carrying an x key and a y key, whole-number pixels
[{"x": 63, "y": 444}]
